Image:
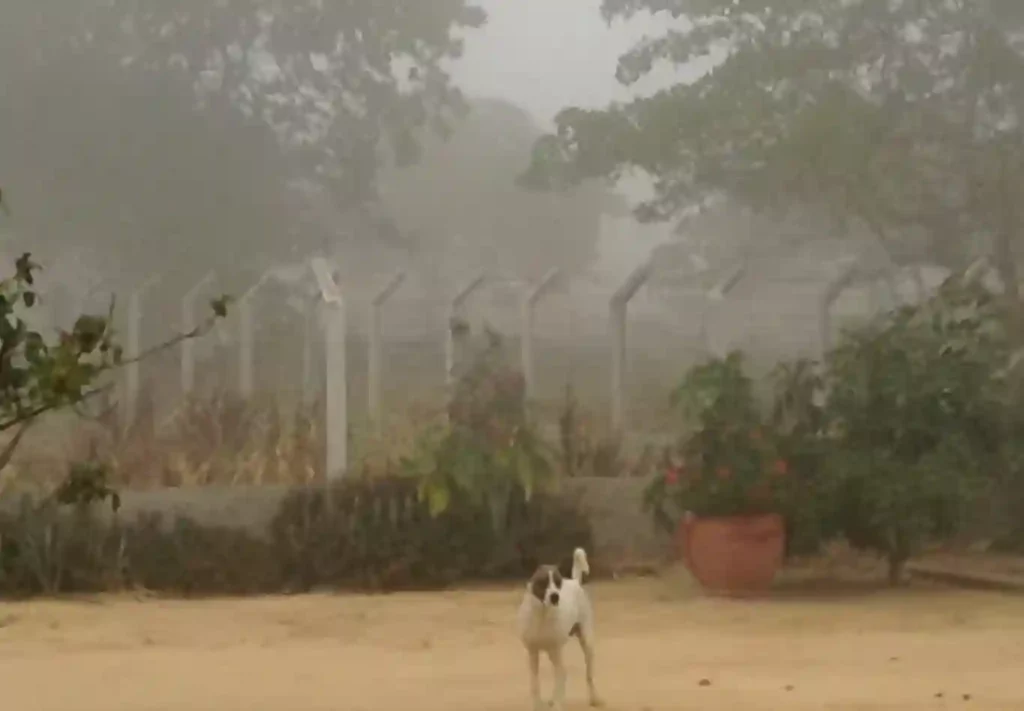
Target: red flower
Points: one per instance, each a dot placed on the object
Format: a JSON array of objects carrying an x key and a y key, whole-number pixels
[
  {"x": 724, "y": 473},
  {"x": 781, "y": 467},
  {"x": 672, "y": 475}
]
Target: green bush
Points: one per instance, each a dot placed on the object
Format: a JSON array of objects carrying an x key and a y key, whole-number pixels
[
  {"x": 488, "y": 455},
  {"x": 49, "y": 548},
  {"x": 728, "y": 463},
  {"x": 372, "y": 533},
  {"x": 378, "y": 533},
  {"x": 916, "y": 420}
]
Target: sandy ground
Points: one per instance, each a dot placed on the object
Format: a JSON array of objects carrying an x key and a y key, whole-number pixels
[{"x": 457, "y": 651}]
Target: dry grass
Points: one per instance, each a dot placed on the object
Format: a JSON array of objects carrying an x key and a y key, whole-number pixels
[
  {"x": 855, "y": 650},
  {"x": 218, "y": 440}
]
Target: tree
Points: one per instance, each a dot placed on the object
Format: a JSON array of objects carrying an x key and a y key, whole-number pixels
[
  {"x": 244, "y": 95},
  {"x": 462, "y": 202},
  {"x": 123, "y": 165},
  {"x": 901, "y": 116},
  {"x": 337, "y": 81},
  {"x": 919, "y": 418}
]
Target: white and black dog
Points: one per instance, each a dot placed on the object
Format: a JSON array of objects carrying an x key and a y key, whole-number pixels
[{"x": 553, "y": 610}]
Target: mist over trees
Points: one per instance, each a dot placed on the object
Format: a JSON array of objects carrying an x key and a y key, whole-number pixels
[
  {"x": 900, "y": 119},
  {"x": 164, "y": 134},
  {"x": 462, "y": 199}
]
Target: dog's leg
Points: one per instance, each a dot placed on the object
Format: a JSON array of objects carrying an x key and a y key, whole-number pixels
[
  {"x": 558, "y": 698},
  {"x": 534, "y": 657},
  {"x": 587, "y": 645}
]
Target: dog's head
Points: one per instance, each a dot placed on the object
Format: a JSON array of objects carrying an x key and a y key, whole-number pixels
[{"x": 546, "y": 585}]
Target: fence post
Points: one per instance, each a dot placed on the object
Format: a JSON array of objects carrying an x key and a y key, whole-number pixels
[
  {"x": 533, "y": 295},
  {"x": 134, "y": 337},
  {"x": 454, "y": 315},
  {"x": 310, "y": 317},
  {"x": 718, "y": 293},
  {"x": 617, "y": 330},
  {"x": 188, "y": 353},
  {"x": 846, "y": 276},
  {"x": 374, "y": 349},
  {"x": 336, "y": 376},
  {"x": 245, "y": 339},
  {"x": 245, "y": 354}
]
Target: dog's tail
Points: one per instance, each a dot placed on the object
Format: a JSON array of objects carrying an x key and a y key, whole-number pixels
[{"x": 580, "y": 566}]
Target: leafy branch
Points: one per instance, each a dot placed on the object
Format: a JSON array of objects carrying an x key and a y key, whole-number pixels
[{"x": 39, "y": 375}]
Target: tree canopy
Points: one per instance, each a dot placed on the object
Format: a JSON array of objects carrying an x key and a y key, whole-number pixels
[
  {"x": 901, "y": 116},
  {"x": 463, "y": 202},
  {"x": 161, "y": 128}
]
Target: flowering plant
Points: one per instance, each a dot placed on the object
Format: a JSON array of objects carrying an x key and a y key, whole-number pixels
[{"x": 730, "y": 462}]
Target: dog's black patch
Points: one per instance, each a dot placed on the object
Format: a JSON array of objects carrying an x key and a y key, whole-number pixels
[
  {"x": 556, "y": 578},
  {"x": 575, "y": 631},
  {"x": 539, "y": 583}
]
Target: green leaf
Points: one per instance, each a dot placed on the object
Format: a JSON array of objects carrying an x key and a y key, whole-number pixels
[
  {"x": 438, "y": 498},
  {"x": 220, "y": 306}
]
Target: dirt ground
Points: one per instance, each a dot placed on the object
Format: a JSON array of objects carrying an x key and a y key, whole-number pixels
[{"x": 661, "y": 647}]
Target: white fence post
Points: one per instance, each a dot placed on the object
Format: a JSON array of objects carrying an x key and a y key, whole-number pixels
[
  {"x": 134, "y": 338},
  {"x": 718, "y": 293},
  {"x": 246, "y": 356},
  {"x": 617, "y": 330},
  {"x": 454, "y": 315},
  {"x": 336, "y": 376},
  {"x": 374, "y": 349},
  {"x": 847, "y": 275},
  {"x": 310, "y": 331},
  {"x": 188, "y": 323},
  {"x": 245, "y": 346},
  {"x": 533, "y": 295}
]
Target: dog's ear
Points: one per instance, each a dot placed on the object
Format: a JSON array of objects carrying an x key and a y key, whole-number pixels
[{"x": 539, "y": 583}]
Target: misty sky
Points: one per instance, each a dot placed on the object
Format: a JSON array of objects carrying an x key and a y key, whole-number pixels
[
  {"x": 544, "y": 55},
  {"x": 547, "y": 54}
]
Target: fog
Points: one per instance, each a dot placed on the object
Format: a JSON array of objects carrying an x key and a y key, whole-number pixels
[{"x": 139, "y": 147}]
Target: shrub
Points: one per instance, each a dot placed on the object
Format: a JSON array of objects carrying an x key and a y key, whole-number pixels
[
  {"x": 798, "y": 424},
  {"x": 185, "y": 558},
  {"x": 221, "y": 439},
  {"x": 47, "y": 548},
  {"x": 916, "y": 419},
  {"x": 728, "y": 463},
  {"x": 378, "y": 533},
  {"x": 373, "y": 533},
  {"x": 488, "y": 455}
]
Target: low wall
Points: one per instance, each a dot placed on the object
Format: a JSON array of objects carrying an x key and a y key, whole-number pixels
[{"x": 623, "y": 534}]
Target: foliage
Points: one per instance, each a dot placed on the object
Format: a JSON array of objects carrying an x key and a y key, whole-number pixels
[
  {"x": 219, "y": 439},
  {"x": 488, "y": 454},
  {"x": 900, "y": 115},
  {"x": 728, "y": 462},
  {"x": 798, "y": 422},
  {"x": 379, "y": 533},
  {"x": 462, "y": 203},
  {"x": 338, "y": 88},
  {"x": 917, "y": 419},
  {"x": 56, "y": 544},
  {"x": 47, "y": 547},
  {"x": 582, "y": 452},
  {"x": 40, "y": 374},
  {"x": 157, "y": 204},
  {"x": 365, "y": 533}
]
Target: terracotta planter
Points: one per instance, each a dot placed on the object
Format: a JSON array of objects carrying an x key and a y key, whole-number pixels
[{"x": 733, "y": 555}]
